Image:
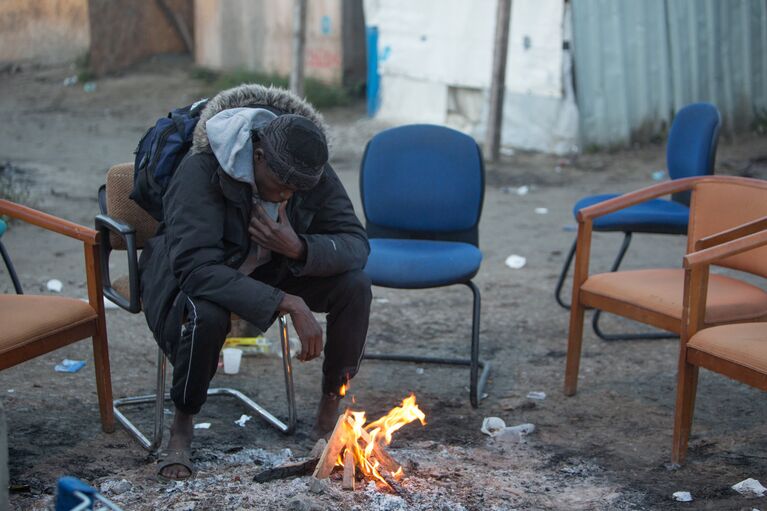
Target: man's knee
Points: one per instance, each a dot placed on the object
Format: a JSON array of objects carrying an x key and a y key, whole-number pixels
[
  {"x": 356, "y": 284},
  {"x": 207, "y": 317}
]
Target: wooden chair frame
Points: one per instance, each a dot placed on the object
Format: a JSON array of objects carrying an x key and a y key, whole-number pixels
[
  {"x": 581, "y": 300},
  {"x": 696, "y": 266},
  {"x": 95, "y": 329}
]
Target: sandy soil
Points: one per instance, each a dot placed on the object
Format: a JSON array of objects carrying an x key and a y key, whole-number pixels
[{"x": 606, "y": 448}]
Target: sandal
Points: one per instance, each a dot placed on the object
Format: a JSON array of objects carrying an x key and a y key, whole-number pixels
[{"x": 175, "y": 457}]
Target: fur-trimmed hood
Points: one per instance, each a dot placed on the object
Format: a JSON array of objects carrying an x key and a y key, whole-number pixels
[{"x": 281, "y": 101}]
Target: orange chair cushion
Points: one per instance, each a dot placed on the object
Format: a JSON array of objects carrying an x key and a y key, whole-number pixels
[
  {"x": 27, "y": 318},
  {"x": 744, "y": 344},
  {"x": 662, "y": 290}
]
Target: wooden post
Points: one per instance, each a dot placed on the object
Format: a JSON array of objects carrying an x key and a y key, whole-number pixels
[
  {"x": 498, "y": 79},
  {"x": 299, "y": 42}
]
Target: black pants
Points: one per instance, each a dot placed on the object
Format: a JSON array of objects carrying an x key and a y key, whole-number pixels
[{"x": 193, "y": 344}]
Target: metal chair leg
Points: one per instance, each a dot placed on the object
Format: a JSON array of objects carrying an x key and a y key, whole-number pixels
[
  {"x": 626, "y": 337},
  {"x": 160, "y": 396},
  {"x": 477, "y": 380},
  {"x": 563, "y": 276},
  {"x": 598, "y": 313},
  {"x": 11, "y": 270}
]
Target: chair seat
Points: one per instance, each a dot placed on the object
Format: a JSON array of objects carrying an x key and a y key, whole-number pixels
[
  {"x": 661, "y": 291},
  {"x": 744, "y": 344},
  {"x": 416, "y": 264},
  {"x": 654, "y": 216},
  {"x": 28, "y": 318}
]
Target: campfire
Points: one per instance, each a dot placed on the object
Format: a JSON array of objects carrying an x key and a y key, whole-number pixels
[
  {"x": 358, "y": 448},
  {"x": 356, "y": 445}
]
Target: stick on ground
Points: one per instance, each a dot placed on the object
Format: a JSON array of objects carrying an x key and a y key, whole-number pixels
[{"x": 300, "y": 468}]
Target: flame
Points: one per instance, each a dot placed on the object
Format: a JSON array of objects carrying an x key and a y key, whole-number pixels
[
  {"x": 398, "y": 417},
  {"x": 342, "y": 390},
  {"x": 364, "y": 440}
]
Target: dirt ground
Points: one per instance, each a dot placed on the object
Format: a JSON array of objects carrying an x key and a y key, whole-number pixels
[{"x": 606, "y": 448}]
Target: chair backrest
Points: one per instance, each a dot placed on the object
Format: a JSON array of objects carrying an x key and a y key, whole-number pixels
[
  {"x": 119, "y": 206},
  {"x": 723, "y": 202},
  {"x": 692, "y": 143},
  {"x": 422, "y": 181}
]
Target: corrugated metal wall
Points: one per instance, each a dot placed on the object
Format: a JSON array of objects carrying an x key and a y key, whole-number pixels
[{"x": 638, "y": 62}]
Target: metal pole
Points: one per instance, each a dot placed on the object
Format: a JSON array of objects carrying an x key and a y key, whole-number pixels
[
  {"x": 299, "y": 41},
  {"x": 498, "y": 80}
]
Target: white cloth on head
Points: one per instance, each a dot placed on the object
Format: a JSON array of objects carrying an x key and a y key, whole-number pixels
[{"x": 229, "y": 133}]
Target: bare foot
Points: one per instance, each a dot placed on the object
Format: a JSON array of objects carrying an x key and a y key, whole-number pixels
[
  {"x": 327, "y": 415},
  {"x": 181, "y": 433}
]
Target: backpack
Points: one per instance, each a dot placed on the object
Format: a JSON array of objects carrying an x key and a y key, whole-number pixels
[{"x": 159, "y": 153}]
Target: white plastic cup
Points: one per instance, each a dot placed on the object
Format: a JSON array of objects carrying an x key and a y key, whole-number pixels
[{"x": 232, "y": 358}]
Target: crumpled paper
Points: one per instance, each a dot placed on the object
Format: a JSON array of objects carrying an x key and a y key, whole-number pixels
[{"x": 750, "y": 487}]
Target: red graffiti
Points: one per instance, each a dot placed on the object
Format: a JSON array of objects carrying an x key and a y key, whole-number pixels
[{"x": 321, "y": 58}]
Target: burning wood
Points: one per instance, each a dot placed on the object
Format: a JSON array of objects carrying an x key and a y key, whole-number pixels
[
  {"x": 348, "y": 483},
  {"x": 332, "y": 450},
  {"x": 355, "y": 445}
]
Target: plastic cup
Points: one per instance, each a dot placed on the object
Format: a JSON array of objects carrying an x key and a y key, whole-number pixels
[{"x": 232, "y": 358}]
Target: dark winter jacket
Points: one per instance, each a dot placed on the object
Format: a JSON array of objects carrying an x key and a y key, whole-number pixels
[{"x": 204, "y": 237}]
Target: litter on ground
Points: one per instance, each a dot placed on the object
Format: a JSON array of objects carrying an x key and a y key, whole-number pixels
[
  {"x": 515, "y": 262},
  {"x": 69, "y": 366}
]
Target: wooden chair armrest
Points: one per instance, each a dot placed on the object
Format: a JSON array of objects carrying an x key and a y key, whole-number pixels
[
  {"x": 89, "y": 237},
  {"x": 696, "y": 269},
  {"x": 49, "y": 222},
  {"x": 636, "y": 197},
  {"x": 732, "y": 234},
  {"x": 726, "y": 249}
]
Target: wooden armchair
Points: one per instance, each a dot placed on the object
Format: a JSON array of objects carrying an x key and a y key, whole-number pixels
[
  {"x": 655, "y": 296},
  {"x": 738, "y": 351},
  {"x": 33, "y": 325}
]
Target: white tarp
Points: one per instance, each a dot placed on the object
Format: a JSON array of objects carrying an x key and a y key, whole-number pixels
[{"x": 435, "y": 61}]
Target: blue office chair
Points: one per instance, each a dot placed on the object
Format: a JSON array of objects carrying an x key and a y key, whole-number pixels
[
  {"x": 691, "y": 151},
  {"x": 422, "y": 189},
  {"x": 8, "y": 263}
]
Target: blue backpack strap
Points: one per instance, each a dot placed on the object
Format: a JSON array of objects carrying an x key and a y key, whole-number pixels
[{"x": 159, "y": 153}]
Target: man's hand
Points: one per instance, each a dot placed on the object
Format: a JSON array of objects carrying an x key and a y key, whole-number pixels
[
  {"x": 307, "y": 328},
  {"x": 279, "y": 236}
]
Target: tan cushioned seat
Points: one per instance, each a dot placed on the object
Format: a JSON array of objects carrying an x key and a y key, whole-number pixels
[
  {"x": 122, "y": 286},
  {"x": 743, "y": 343},
  {"x": 661, "y": 290},
  {"x": 27, "y": 318}
]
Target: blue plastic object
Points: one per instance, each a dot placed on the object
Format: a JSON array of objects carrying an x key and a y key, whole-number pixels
[
  {"x": 66, "y": 500},
  {"x": 2, "y": 227},
  {"x": 373, "y": 78},
  {"x": 74, "y": 495}
]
